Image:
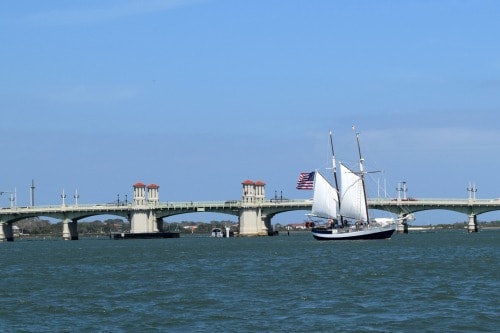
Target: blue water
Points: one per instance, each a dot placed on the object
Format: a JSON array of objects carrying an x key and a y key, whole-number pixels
[{"x": 443, "y": 281}]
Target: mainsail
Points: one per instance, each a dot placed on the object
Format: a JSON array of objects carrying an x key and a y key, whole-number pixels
[
  {"x": 352, "y": 199},
  {"x": 325, "y": 201}
]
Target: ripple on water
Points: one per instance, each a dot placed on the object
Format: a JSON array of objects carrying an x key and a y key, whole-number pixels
[{"x": 443, "y": 281}]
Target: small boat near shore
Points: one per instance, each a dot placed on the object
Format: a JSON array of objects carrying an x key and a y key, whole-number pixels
[
  {"x": 217, "y": 232},
  {"x": 222, "y": 233}
]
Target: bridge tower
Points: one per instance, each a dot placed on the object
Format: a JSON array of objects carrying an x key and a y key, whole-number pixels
[
  {"x": 143, "y": 215},
  {"x": 153, "y": 197},
  {"x": 153, "y": 200},
  {"x": 139, "y": 194},
  {"x": 252, "y": 222}
]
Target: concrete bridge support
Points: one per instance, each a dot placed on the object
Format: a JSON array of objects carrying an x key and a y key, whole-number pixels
[
  {"x": 268, "y": 225},
  {"x": 402, "y": 227},
  {"x": 472, "y": 226},
  {"x": 251, "y": 220},
  {"x": 70, "y": 229},
  {"x": 143, "y": 216},
  {"x": 6, "y": 233},
  {"x": 144, "y": 220},
  {"x": 139, "y": 221}
]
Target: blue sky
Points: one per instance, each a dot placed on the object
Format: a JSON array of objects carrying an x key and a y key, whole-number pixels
[{"x": 197, "y": 96}]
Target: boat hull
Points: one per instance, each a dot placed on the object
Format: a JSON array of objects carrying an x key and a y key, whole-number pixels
[{"x": 373, "y": 233}]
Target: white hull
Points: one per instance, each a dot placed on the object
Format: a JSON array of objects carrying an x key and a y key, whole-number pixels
[{"x": 217, "y": 233}]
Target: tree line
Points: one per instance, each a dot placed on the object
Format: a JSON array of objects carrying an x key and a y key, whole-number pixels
[{"x": 36, "y": 226}]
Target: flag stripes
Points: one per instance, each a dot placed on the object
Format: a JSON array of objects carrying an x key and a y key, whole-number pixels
[{"x": 305, "y": 181}]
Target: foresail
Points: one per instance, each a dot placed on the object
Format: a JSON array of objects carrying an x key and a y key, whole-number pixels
[
  {"x": 325, "y": 200},
  {"x": 352, "y": 199}
]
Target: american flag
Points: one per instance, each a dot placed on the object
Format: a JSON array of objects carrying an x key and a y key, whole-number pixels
[{"x": 306, "y": 181}]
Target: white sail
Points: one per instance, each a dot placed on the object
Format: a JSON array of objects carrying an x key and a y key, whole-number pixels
[
  {"x": 325, "y": 200},
  {"x": 352, "y": 199}
]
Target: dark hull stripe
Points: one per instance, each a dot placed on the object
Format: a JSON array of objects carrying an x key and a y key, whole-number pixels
[{"x": 376, "y": 235}]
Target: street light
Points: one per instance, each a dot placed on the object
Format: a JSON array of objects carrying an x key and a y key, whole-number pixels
[
  {"x": 63, "y": 197},
  {"x": 76, "y": 196},
  {"x": 12, "y": 198},
  {"x": 472, "y": 189},
  {"x": 402, "y": 188}
]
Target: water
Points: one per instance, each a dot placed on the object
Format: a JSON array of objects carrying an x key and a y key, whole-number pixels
[{"x": 445, "y": 281}]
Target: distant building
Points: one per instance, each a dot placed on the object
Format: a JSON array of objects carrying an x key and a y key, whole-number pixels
[{"x": 296, "y": 226}]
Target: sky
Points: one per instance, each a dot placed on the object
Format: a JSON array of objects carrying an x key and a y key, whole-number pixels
[{"x": 199, "y": 95}]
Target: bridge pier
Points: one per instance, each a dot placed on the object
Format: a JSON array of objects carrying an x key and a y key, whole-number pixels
[
  {"x": 402, "y": 227},
  {"x": 6, "y": 233},
  {"x": 251, "y": 220},
  {"x": 143, "y": 215},
  {"x": 144, "y": 220},
  {"x": 472, "y": 226},
  {"x": 70, "y": 229},
  {"x": 268, "y": 225}
]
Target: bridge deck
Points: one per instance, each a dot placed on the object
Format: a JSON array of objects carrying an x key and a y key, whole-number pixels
[{"x": 163, "y": 209}]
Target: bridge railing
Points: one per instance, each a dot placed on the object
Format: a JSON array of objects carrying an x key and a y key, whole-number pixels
[
  {"x": 237, "y": 204},
  {"x": 67, "y": 207},
  {"x": 435, "y": 200}
]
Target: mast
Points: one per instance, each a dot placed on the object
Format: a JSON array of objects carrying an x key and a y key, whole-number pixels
[
  {"x": 334, "y": 165},
  {"x": 362, "y": 175}
]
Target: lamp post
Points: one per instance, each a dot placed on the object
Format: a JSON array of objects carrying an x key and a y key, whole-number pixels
[
  {"x": 472, "y": 189},
  {"x": 12, "y": 198},
  {"x": 402, "y": 188},
  {"x": 63, "y": 197},
  {"x": 76, "y": 196}
]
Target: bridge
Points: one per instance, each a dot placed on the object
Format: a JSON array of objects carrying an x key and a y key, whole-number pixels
[
  {"x": 146, "y": 212},
  {"x": 471, "y": 207}
]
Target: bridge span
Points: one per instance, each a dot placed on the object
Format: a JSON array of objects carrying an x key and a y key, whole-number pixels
[{"x": 146, "y": 213}]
